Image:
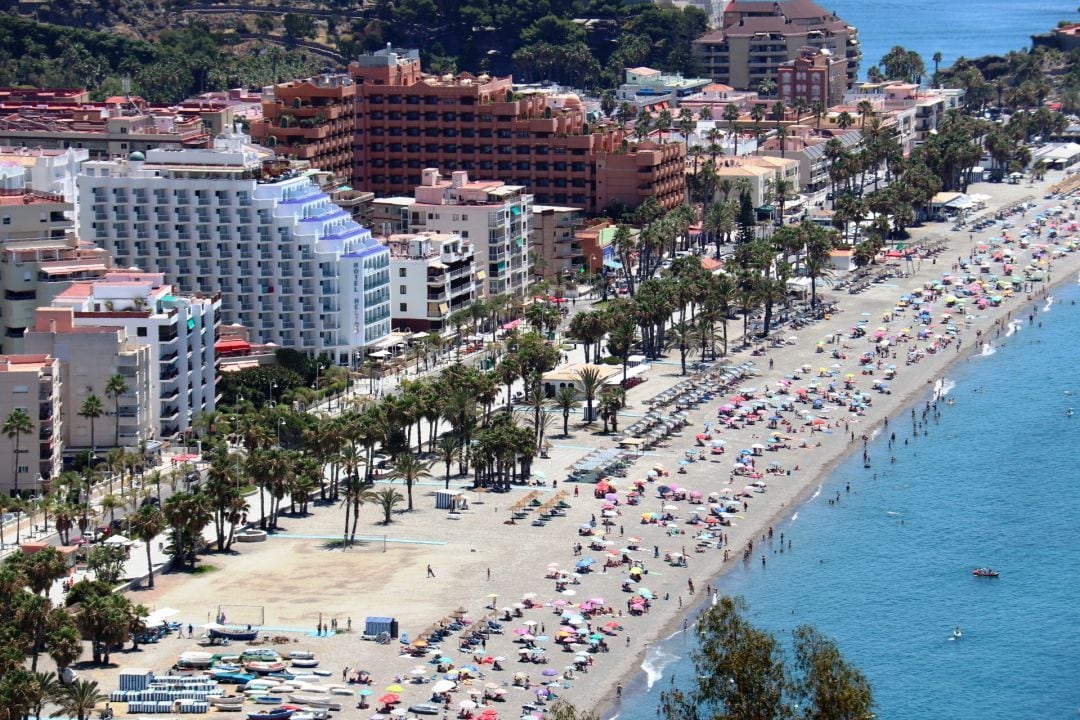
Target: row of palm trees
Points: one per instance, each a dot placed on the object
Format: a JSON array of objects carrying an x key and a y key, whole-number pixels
[
  {"x": 18, "y": 423},
  {"x": 688, "y": 309},
  {"x": 31, "y": 626}
]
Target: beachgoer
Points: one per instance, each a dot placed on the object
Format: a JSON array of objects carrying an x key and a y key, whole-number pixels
[{"x": 430, "y": 572}]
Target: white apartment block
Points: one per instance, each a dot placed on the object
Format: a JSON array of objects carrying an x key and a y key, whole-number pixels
[
  {"x": 179, "y": 330},
  {"x": 31, "y": 383},
  {"x": 49, "y": 170},
  {"x": 494, "y": 217},
  {"x": 90, "y": 355},
  {"x": 431, "y": 276},
  {"x": 289, "y": 264}
]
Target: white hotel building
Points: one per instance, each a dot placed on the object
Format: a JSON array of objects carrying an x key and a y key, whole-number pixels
[{"x": 289, "y": 264}]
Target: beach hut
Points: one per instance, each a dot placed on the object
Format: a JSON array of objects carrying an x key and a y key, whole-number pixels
[{"x": 450, "y": 500}]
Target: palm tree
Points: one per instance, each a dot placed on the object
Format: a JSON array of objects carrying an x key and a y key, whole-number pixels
[
  {"x": 387, "y": 499},
  {"x": 109, "y": 503},
  {"x": 78, "y": 700},
  {"x": 682, "y": 337},
  {"x": 114, "y": 388},
  {"x": 731, "y": 114},
  {"x": 42, "y": 688},
  {"x": 590, "y": 380},
  {"x": 937, "y": 62},
  {"x": 357, "y": 494},
  {"x": 448, "y": 449},
  {"x": 409, "y": 468},
  {"x": 757, "y": 114},
  {"x": 612, "y": 400},
  {"x": 566, "y": 400},
  {"x": 145, "y": 525},
  {"x": 92, "y": 409},
  {"x": 16, "y": 425}
]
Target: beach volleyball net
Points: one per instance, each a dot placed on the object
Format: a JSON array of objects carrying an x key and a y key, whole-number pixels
[{"x": 241, "y": 614}]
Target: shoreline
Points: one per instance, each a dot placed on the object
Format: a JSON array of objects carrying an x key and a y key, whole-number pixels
[
  {"x": 607, "y": 705},
  {"x": 482, "y": 564}
]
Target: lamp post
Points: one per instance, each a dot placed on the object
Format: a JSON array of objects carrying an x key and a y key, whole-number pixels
[
  {"x": 273, "y": 386},
  {"x": 280, "y": 422}
]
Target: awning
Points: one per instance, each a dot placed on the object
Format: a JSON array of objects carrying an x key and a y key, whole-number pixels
[
  {"x": 614, "y": 264},
  {"x": 231, "y": 346}
]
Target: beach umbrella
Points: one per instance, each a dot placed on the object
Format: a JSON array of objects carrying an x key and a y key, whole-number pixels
[
  {"x": 646, "y": 593},
  {"x": 418, "y": 672},
  {"x": 366, "y": 691},
  {"x": 439, "y": 687},
  {"x": 399, "y": 712},
  {"x": 550, "y": 672},
  {"x": 467, "y": 705},
  {"x": 395, "y": 688},
  {"x": 389, "y": 699}
]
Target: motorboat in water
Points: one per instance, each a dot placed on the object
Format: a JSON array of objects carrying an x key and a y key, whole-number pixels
[{"x": 985, "y": 572}]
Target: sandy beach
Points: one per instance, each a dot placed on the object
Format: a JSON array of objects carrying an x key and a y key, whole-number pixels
[{"x": 301, "y": 578}]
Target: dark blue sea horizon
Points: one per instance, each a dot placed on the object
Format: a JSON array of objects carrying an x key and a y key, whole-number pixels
[
  {"x": 955, "y": 29},
  {"x": 887, "y": 570}
]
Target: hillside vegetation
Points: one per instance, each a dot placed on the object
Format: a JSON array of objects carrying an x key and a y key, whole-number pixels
[{"x": 181, "y": 63}]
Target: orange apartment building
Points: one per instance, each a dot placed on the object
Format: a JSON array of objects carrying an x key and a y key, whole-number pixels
[
  {"x": 311, "y": 120},
  {"x": 405, "y": 120}
]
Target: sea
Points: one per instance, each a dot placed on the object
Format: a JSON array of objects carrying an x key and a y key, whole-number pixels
[
  {"x": 956, "y": 28},
  {"x": 881, "y": 558}
]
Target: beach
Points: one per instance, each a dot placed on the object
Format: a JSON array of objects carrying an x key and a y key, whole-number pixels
[{"x": 300, "y": 578}]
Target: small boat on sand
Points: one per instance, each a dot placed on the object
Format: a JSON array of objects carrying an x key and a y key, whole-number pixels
[
  {"x": 237, "y": 634},
  {"x": 276, "y": 714},
  {"x": 985, "y": 572},
  {"x": 264, "y": 667},
  {"x": 304, "y": 662},
  {"x": 225, "y": 700}
]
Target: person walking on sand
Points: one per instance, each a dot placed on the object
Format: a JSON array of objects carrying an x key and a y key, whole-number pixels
[{"x": 430, "y": 572}]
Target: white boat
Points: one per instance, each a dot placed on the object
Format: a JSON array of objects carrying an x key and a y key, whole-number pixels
[
  {"x": 340, "y": 690},
  {"x": 319, "y": 701},
  {"x": 301, "y": 655},
  {"x": 225, "y": 700},
  {"x": 304, "y": 662},
  {"x": 194, "y": 659}
]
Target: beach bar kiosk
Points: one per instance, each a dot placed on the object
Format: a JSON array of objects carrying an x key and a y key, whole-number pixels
[{"x": 374, "y": 625}]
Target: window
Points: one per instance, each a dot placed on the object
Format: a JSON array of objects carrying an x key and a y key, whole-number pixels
[
  {"x": 402, "y": 272},
  {"x": 403, "y": 289},
  {"x": 403, "y": 307}
]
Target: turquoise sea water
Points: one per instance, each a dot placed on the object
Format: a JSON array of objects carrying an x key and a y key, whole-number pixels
[
  {"x": 956, "y": 28},
  {"x": 887, "y": 570}
]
